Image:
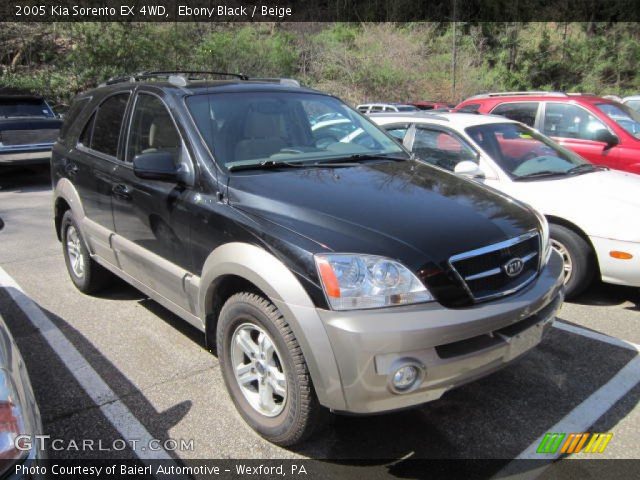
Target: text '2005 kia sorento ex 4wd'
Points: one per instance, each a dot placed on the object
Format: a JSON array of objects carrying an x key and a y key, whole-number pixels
[{"x": 327, "y": 268}]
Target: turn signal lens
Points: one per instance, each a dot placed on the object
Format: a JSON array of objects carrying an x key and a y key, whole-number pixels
[
  {"x": 620, "y": 255},
  {"x": 329, "y": 279}
]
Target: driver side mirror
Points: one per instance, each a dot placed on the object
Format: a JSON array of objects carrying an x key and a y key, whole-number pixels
[
  {"x": 156, "y": 166},
  {"x": 1, "y": 224},
  {"x": 605, "y": 136},
  {"x": 470, "y": 169}
]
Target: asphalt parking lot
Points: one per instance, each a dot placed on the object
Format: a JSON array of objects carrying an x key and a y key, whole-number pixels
[{"x": 156, "y": 370}]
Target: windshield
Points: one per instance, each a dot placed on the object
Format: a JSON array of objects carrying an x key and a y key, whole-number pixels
[
  {"x": 624, "y": 116},
  {"x": 21, "y": 107},
  {"x": 244, "y": 129},
  {"x": 522, "y": 152}
]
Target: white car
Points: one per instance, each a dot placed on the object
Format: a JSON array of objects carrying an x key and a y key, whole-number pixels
[
  {"x": 632, "y": 102},
  {"x": 386, "y": 107},
  {"x": 593, "y": 212}
]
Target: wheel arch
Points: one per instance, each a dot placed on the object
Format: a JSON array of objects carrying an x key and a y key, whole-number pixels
[
  {"x": 242, "y": 265},
  {"x": 66, "y": 198},
  {"x": 581, "y": 233}
]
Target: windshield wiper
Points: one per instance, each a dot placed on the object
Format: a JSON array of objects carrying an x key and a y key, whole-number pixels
[
  {"x": 585, "y": 168},
  {"x": 273, "y": 164},
  {"x": 541, "y": 174}
]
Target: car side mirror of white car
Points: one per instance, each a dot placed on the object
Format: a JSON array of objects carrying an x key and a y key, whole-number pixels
[{"x": 469, "y": 169}]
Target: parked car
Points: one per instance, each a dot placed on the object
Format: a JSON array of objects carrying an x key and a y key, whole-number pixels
[
  {"x": 632, "y": 102},
  {"x": 425, "y": 105},
  {"x": 19, "y": 413},
  {"x": 385, "y": 107},
  {"x": 603, "y": 131},
  {"x": 326, "y": 275},
  {"x": 591, "y": 210},
  {"x": 28, "y": 129}
]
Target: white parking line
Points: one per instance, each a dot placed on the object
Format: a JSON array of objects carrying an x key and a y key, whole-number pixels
[
  {"x": 109, "y": 403},
  {"x": 584, "y": 415}
]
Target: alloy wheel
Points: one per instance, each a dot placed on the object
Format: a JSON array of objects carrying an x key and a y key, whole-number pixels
[
  {"x": 258, "y": 369},
  {"x": 74, "y": 250},
  {"x": 566, "y": 259}
]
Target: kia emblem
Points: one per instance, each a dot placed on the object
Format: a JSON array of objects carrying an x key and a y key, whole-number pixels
[{"x": 513, "y": 267}]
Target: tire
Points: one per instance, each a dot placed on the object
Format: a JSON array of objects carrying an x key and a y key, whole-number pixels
[
  {"x": 578, "y": 257},
  {"x": 87, "y": 275},
  {"x": 294, "y": 415}
]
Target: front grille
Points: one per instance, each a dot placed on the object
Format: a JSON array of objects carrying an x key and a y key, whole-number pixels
[
  {"x": 28, "y": 137},
  {"x": 484, "y": 271}
]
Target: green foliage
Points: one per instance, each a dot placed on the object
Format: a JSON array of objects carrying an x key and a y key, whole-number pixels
[{"x": 359, "y": 62}]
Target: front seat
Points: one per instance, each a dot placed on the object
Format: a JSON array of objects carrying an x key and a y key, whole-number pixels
[
  {"x": 261, "y": 137},
  {"x": 163, "y": 136}
]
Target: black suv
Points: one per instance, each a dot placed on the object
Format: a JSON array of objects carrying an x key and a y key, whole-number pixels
[{"x": 326, "y": 267}]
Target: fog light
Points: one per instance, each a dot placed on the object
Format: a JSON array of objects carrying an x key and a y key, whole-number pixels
[{"x": 405, "y": 377}]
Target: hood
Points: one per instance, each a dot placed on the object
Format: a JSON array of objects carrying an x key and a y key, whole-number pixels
[
  {"x": 408, "y": 211},
  {"x": 602, "y": 203}
]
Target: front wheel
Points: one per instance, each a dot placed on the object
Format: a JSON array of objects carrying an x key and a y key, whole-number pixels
[
  {"x": 578, "y": 259},
  {"x": 264, "y": 370}
]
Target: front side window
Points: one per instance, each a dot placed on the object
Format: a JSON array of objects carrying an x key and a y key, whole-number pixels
[
  {"x": 523, "y": 153},
  {"x": 108, "y": 122},
  {"x": 397, "y": 131},
  {"x": 246, "y": 129},
  {"x": 565, "y": 120},
  {"x": 441, "y": 148},
  {"x": 152, "y": 129},
  {"x": 623, "y": 115},
  {"x": 524, "y": 112}
]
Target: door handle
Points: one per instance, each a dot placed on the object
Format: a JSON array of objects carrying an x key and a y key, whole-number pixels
[
  {"x": 71, "y": 169},
  {"x": 122, "y": 191}
]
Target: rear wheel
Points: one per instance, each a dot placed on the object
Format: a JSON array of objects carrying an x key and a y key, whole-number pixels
[
  {"x": 264, "y": 370},
  {"x": 85, "y": 273},
  {"x": 577, "y": 257}
]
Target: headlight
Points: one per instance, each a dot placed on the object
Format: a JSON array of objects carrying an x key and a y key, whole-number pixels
[
  {"x": 11, "y": 422},
  {"x": 368, "y": 281},
  {"x": 545, "y": 243}
]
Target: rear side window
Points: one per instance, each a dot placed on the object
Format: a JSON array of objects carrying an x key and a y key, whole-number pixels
[
  {"x": 152, "y": 129},
  {"x": 85, "y": 136},
  {"x": 397, "y": 131},
  {"x": 524, "y": 112},
  {"x": 108, "y": 122},
  {"x": 470, "y": 108},
  {"x": 72, "y": 115}
]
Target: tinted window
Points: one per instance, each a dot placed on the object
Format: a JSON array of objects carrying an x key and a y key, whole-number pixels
[
  {"x": 470, "y": 108},
  {"x": 520, "y": 112},
  {"x": 565, "y": 120},
  {"x": 72, "y": 115},
  {"x": 24, "y": 107},
  {"x": 152, "y": 129},
  {"x": 85, "y": 136},
  {"x": 441, "y": 148},
  {"x": 106, "y": 130}
]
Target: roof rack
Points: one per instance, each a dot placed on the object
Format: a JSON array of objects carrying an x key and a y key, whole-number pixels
[
  {"x": 291, "y": 82},
  {"x": 173, "y": 76},
  {"x": 419, "y": 113},
  {"x": 520, "y": 94}
]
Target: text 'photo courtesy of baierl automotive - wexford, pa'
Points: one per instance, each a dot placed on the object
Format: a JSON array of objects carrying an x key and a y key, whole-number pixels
[{"x": 319, "y": 239}]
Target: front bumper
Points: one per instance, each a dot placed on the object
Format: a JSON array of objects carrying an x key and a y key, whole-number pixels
[
  {"x": 614, "y": 270},
  {"x": 450, "y": 346}
]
